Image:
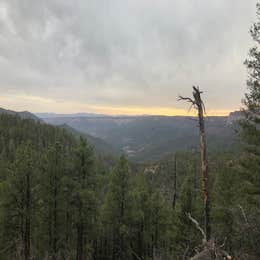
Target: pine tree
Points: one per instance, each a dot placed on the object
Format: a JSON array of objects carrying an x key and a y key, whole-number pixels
[
  {"x": 250, "y": 126},
  {"x": 250, "y": 162},
  {"x": 18, "y": 203},
  {"x": 84, "y": 198},
  {"x": 149, "y": 218},
  {"x": 52, "y": 199},
  {"x": 118, "y": 210},
  {"x": 252, "y": 98}
]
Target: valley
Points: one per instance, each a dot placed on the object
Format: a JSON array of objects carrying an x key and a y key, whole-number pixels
[{"x": 149, "y": 138}]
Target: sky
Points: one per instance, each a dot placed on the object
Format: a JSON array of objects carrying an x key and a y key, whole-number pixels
[{"x": 123, "y": 56}]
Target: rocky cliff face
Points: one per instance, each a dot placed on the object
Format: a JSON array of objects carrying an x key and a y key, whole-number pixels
[{"x": 234, "y": 117}]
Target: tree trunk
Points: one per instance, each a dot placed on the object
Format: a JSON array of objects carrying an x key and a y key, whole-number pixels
[
  {"x": 80, "y": 235},
  {"x": 55, "y": 233},
  {"x": 205, "y": 169},
  {"x": 174, "y": 183},
  {"x": 198, "y": 104},
  {"x": 79, "y": 243},
  {"x": 141, "y": 240},
  {"x": 27, "y": 232}
]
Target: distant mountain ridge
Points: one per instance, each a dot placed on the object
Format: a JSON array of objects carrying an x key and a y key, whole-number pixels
[
  {"x": 145, "y": 138},
  {"x": 54, "y": 115},
  {"x": 82, "y": 114}
]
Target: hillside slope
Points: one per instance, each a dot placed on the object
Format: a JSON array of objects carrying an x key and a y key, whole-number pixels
[
  {"x": 100, "y": 145},
  {"x": 22, "y": 114}
]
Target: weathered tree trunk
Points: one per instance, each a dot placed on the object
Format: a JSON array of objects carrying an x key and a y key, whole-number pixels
[
  {"x": 204, "y": 162},
  {"x": 199, "y": 106},
  {"x": 205, "y": 167}
]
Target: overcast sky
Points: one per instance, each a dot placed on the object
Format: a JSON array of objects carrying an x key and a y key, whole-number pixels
[{"x": 123, "y": 56}]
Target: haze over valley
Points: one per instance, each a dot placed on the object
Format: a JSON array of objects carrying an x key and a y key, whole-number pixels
[{"x": 148, "y": 138}]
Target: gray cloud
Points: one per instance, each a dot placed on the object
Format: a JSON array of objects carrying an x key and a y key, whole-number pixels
[{"x": 123, "y": 53}]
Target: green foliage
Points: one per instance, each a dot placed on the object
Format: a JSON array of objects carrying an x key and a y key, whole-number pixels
[
  {"x": 84, "y": 198},
  {"x": 18, "y": 201},
  {"x": 250, "y": 160},
  {"x": 118, "y": 210},
  {"x": 59, "y": 199}
]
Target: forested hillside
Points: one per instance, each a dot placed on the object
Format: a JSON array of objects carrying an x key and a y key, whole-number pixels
[
  {"x": 22, "y": 114},
  {"x": 99, "y": 144},
  {"x": 60, "y": 200}
]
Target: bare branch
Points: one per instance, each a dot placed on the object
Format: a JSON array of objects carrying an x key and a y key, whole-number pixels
[
  {"x": 204, "y": 108},
  {"x": 134, "y": 253},
  {"x": 191, "y": 106},
  {"x": 186, "y": 99},
  {"x": 186, "y": 252},
  {"x": 243, "y": 214},
  {"x": 194, "y": 221}
]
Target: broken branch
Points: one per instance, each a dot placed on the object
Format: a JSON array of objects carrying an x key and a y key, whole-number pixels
[{"x": 194, "y": 221}]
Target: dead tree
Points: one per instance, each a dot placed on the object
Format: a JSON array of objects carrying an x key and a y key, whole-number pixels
[{"x": 197, "y": 103}]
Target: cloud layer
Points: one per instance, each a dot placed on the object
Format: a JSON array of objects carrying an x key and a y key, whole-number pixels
[{"x": 123, "y": 54}]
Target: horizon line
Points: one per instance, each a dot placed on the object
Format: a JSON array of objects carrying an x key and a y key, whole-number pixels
[
  {"x": 36, "y": 103},
  {"x": 86, "y": 114}
]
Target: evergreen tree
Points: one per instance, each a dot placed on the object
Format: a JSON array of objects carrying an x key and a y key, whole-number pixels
[
  {"x": 118, "y": 210},
  {"x": 151, "y": 225},
  {"x": 250, "y": 163},
  {"x": 52, "y": 199},
  {"x": 18, "y": 203},
  {"x": 84, "y": 199}
]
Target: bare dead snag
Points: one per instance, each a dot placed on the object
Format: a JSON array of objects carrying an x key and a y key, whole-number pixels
[{"x": 197, "y": 103}]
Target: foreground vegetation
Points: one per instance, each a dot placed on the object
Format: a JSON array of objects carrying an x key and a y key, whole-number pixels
[{"x": 60, "y": 200}]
